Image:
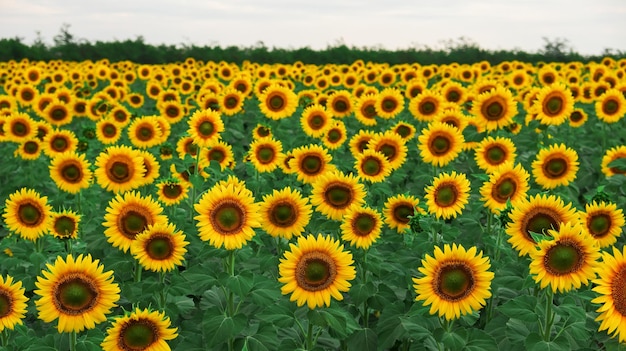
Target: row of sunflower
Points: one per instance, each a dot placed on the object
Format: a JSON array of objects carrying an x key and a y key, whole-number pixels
[{"x": 211, "y": 189}]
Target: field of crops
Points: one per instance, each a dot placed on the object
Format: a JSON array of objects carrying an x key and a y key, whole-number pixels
[{"x": 214, "y": 206}]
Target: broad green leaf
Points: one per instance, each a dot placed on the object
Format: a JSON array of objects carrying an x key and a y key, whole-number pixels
[
  {"x": 363, "y": 340},
  {"x": 521, "y": 307},
  {"x": 534, "y": 342}
]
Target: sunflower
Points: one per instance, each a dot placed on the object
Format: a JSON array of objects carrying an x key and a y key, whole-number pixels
[
  {"x": 119, "y": 168},
  {"x": 261, "y": 131},
  {"x": 227, "y": 215},
  {"x": 12, "y": 303},
  {"x": 159, "y": 248},
  {"x": 508, "y": 183},
  {"x": 398, "y": 210},
  {"x": 335, "y": 135},
  {"x": 315, "y": 121},
  {"x": 285, "y": 213},
  {"x": 340, "y": 104},
  {"x": 64, "y": 224},
  {"x": 492, "y": 152},
  {"x": 57, "y": 113},
  {"x": 372, "y": 165},
  {"x": 389, "y": 103},
  {"x": 365, "y": 109},
  {"x": 361, "y": 227},
  {"x": 19, "y": 127},
  {"x": 26, "y": 95},
  {"x": 611, "y": 106},
  {"x": 205, "y": 126},
  {"x": 360, "y": 140},
  {"x": 578, "y": 117},
  {"x": 29, "y": 150},
  {"x": 448, "y": 195},
  {"x": 231, "y": 101},
  {"x": 555, "y": 166},
  {"x": 426, "y": 106},
  {"x": 144, "y": 132},
  {"x": 218, "y": 151},
  {"x": 278, "y": 102},
  {"x": 173, "y": 111},
  {"x": 495, "y": 108},
  {"x": 567, "y": 260},
  {"x": 310, "y": 162},
  {"x": 172, "y": 191},
  {"x": 108, "y": 131},
  {"x": 553, "y": 104},
  {"x": 77, "y": 292},
  {"x": 70, "y": 172},
  {"x": 59, "y": 141},
  {"x": 392, "y": 146},
  {"x": 141, "y": 330},
  {"x": 335, "y": 193},
  {"x": 440, "y": 143},
  {"x": 537, "y": 215},
  {"x": 455, "y": 281},
  {"x": 186, "y": 146},
  {"x": 610, "y": 289},
  {"x": 603, "y": 221},
  {"x": 616, "y": 153},
  {"x": 314, "y": 270},
  {"x": 405, "y": 130},
  {"x": 129, "y": 214},
  {"x": 414, "y": 87},
  {"x": 27, "y": 213},
  {"x": 264, "y": 154}
]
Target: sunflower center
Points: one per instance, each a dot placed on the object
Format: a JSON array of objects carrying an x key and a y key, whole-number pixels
[
  {"x": 454, "y": 282},
  {"x": 30, "y": 214},
  {"x": 446, "y": 195},
  {"x": 159, "y": 248},
  {"x": 440, "y": 145},
  {"x": 388, "y": 150},
  {"x": 228, "y": 218},
  {"x": 334, "y": 135},
  {"x": 610, "y": 107},
  {"x": 504, "y": 190},
  {"x": 368, "y": 111},
  {"x": 316, "y": 122},
  {"x": 599, "y": 225},
  {"x": 553, "y": 106},
  {"x": 109, "y": 130},
  {"x": 576, "y": 116},
  {"x": 315, "y": 271},
  {"x": 563, "y": 258},
  {"x": 555, "y": 168},
  {"x": 263, "y": 132},
  {"x": 266, "y": 154},
  {"x": 133, "y": 223},
  {"x": 172, "y": 191},
  {"x": 618, "y": 292},
  {"x": 389, "y": 105},
  {"x": 59, "y": 144},
  {"x": 231, "y": 102},
  {"x": 172, "y": 111},
  {"x": 402, "y": 212},
  {"x": 71, "y": 173},
  {"x": 6, "y": 303},
  {"x": 427, "y": 108},
  {"x": 495, "y": 155},
  {"x": 58, "y": 114},
  {"x": 283, "y": 214},
  {"x": 138, "y": 335},
  {"x": 340, "y": 106},
  {"x": 494, "y": 111},
  {"x": 276, "y": 102},
  {"x": 453, "y": 96},
  {"x": 540, "y": 222},
  {"x": 311, "y": 164},
  {"x": 120, "y": 172},
  {"x": 371, "y": 166},
  {"x": 338, "y": 196},
  {"x": 403, "y": 131},
  {"x": 206, "y": 128},
  {"x": 363, "y": 224},
  {"x": 75, "y": 294},
  {"x": 31, "y": 147},
  {"x": 64, "y": 226},
  {"x": 19, "y": 129}
]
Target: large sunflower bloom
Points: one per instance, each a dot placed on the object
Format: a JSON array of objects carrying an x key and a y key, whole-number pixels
[
  {"x": 610, "y": 288},
  {"x": 227, "y": 215},
  {"x": 119, "y": 169},
  {"x": 553, "y": 105},
  {"x": 603, "y": 221},
  {"x": 492, "y": 152},
  {"x": 278, "y": 102},
  {"x": 27, "y": 213},
  {"x": 448, "y": 195},
  {"x": 335, "y": 193},
  {"x": 265, "y": 154},
  {"x": 392, "y": 146},
  {"x": 361, "y": 227},
  {"x": 159, "y": 248},
  {"x": 455, "y": 281},
  {"x": 537, "y": 215},
  {"x": 495, "y": 108},
  {"x": 618, "y": 152},
  {"x": 77, "y": 292},
  {"x": 508, "y": 183},
  {"x": 285, "y": 213},
  {"x": 141, "y": 330},
  {"x": 555, "y": 166},
  {"x": 398, "y": 210},
  {"x": 372, "y": 165},
  {"x": 567, "y": 260},
  {"x": 611, "y": 106},
  {"x": 314, "y": 270},
  {"x": 440, "y": 143},
  {"x": 310, "y": 162},
  {"x": 70, "y": 171},
  {"x": 12, "y": 303},
  {"x": 205, "y": 126}
]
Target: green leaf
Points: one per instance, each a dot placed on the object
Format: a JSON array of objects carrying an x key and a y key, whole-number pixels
[
  {"x": 316, "y": 318},
  {"x": 240, "y": 284},
  {"x": 478, "y": 340},
  {"x": 363, "y": 340},
  {"x": 619, "y": 164},
  {"x": 521, "y": 307},
  {"x": 534, "y": 342},
  {"x": 415, "y": 330},
  {"x": 183, "y": 304},
  {"x": 361, "y": 292},
  {"x": 454, "y": 340}
]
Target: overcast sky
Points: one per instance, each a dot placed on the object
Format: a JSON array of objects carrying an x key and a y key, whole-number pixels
[{"x": 590, "y": 26}]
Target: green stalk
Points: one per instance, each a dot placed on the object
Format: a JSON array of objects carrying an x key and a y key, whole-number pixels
[
  {"x": 39, "y": 244},
  {"x": 549, "y": 316},
  {"x": 138, "y": 270},
  {"x": 162, "y": 290},
  {"x": 195, "y": 175},
  {"x": 73, "y": 340},
  {"x": 231, "y": 308},
  {"x": 4, "y": 338},
  {"x": 366, "y": 314},
  {"x": 309, "y": 337}
]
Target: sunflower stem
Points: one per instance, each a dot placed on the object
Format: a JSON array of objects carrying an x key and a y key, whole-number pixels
[
  {"x": 4, "y": 338},
  {"x": 231, "y": 296},
  {"x": 138, "y": 270},
  {"x": 68, "y": 246},
  {"x": 549, "y": 315},
  {"x": 73, "y": 340},
  {"x": 162, "y": 290},
  {"x": 39, "y": 244},
  {"x": 365, "y": 307},
  {"x": 309, "y": 337}
]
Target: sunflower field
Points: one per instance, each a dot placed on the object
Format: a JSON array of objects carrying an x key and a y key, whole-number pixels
[{"x": 366, "y": 206}]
